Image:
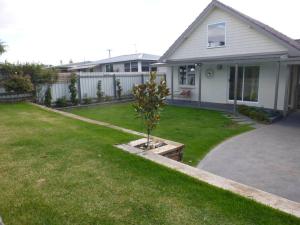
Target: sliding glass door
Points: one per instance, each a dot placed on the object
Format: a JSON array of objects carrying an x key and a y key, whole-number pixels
[{"x": 248, "y": 80}]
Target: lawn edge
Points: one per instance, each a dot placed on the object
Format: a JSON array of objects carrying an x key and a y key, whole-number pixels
[{"x": 265, "y": 198}]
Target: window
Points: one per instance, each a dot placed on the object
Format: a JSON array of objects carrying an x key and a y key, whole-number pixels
[
  {"x": 247, "y": 88},
  {"x": 127, "y": 67},
  {"x": 216, "y": 35},
  {"x": 134, "y": 66},
  {"x": 109, "y": 68},
  {"x": 145, "y": 66},
  {"x": 187, "y": 75},
  {"x": 153, "y": 69}
]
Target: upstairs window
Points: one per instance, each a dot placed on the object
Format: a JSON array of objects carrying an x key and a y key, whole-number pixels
[
  {"x": 134, "y": 66},
  {"x": 127, "y": 67},
  {"x": 109, "y": 68},
  {"x": 145, "y": 66},
  {"x": 216, "y": 35}
]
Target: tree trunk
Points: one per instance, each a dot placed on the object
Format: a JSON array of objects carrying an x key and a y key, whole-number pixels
[{"x": 148, "y": 139}]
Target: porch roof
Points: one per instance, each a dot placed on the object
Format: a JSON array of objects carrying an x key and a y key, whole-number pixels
[{"x": 247, "y": 58}]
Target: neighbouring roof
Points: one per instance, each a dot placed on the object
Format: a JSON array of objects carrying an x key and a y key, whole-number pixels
[
  {"x": 70, "y": 65},
  {"x": 121, "y": 58},
  {"x": 259, "y": 26}
]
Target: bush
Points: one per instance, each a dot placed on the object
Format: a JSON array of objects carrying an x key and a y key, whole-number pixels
[
  {"x": 73, "y": 89},
  {"x": 18, "y": 84},
  {"x": 254, "y": 113},
  {"x": 119, "y": 89},
  {"x": 61, "y": 102},
  {"x": 100, "y": 93},
  {"x": 87, "y": 101},
  {"x": 48, "y": 97},
  {"x": 108, "y": 98}
]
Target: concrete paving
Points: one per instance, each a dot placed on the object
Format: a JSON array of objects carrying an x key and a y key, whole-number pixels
[{"x": 267, "y": 158}]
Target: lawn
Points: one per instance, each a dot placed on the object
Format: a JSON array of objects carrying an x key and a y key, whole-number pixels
[
  {"x": 200, "y": 130},
  {"x": 56, "y": 170}
]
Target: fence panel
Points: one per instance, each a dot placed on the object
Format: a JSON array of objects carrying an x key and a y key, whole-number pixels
[{"x": 89, "y": 83}]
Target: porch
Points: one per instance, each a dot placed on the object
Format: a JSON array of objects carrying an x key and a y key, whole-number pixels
[{"x": 266, "y": 81}]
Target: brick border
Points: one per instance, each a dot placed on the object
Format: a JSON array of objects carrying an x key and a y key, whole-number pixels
[{"x": 246, "y": 191}]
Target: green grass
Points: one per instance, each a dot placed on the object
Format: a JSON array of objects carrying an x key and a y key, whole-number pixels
[
  {"x": 56, "y": 170},
  {"x": 200, "y": 130}
]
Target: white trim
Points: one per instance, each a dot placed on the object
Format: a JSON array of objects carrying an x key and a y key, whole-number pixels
[{"x": 225, "y": 35}]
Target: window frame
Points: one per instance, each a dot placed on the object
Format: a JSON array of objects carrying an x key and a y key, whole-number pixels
[
  {"x": 137, "y": 66},
  {"x": 111, "y": 67},
  {"x": 225, "y": 35},
  {"x": 187, "y": 73},
  {"x": 243, "y": 84},
  {"x": 128, "y": 63}
]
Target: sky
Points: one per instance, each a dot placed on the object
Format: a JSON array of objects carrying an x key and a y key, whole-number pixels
[{"x": 48, "y": 31}]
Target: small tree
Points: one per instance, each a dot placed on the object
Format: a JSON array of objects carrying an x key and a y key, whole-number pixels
[
  {"x": 119, "y": 89},
  {"x": 100, "y": 93},
  {"x": 48, "y": 97},
  {"x": 149, "y": 100},
  {"x": 2, "y": 47},
  {"x": 73, "y": 89}
]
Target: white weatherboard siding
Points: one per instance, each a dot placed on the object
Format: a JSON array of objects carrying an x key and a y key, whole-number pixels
[
  {"x": 240, "y": 39},
  {"x": 216, "y": 89}
]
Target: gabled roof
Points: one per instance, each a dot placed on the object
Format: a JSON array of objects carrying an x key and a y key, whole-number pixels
[
  {"x": 122, "y": 58},
  {"x": 259, "y": 26}
]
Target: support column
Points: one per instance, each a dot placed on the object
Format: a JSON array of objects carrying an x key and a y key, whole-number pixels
[
  {"x": 276, "y": 87},
  {"x": 235, "y": 89},
  {"x": 199, "y": 83},
  {"x": 79, "y": 87},
  {"x": 287, "y": 90},
  {"x": 172, "y": 83}
]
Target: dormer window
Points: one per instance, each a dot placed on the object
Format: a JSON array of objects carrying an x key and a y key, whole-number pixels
[{"x": 216, "y": 35}]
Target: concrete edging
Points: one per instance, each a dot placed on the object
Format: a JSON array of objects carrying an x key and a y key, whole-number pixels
[{"x": 246, "y": 191}]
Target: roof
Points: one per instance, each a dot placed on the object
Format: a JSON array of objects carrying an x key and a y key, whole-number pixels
[
  {"x": 121, "y": 58},
  {"x": 259, "y": 26},
  {"x": 69, "y": 65}
]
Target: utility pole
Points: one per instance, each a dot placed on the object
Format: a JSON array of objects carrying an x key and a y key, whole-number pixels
[{"x": 109, "y": 51}]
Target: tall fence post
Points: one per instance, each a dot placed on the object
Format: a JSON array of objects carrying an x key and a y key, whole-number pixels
[
  {"x": 115, "y": 86},
  {"x": 79, "y": 87}
]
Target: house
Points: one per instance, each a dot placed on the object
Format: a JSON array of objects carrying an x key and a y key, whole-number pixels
[
  {"x": 140, "y": 62},
  {"x": 226, "y": 58},
  {"x": 66, "y": 67}
]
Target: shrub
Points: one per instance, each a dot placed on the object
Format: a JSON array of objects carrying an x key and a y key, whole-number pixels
[
  {"x": 87, "y": 101},
  {"x": 100, "y": 93},
  {"x": 61, "y": 102},
  {"x": 18, "y": 84},
  {"x": 48, "y": 97},
  {"x": 149, "y": 100},
  {"x": 107, "y": 98},
  {"x": 254, "y": 113},
  {"x": 119, "y": 89},
  {"x": 73, "y": 89}
]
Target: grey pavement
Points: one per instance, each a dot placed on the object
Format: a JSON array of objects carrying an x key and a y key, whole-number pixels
[{"x": 267, "y": 158}]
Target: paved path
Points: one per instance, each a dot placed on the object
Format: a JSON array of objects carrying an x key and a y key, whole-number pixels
[{"x": 267, "y": 158}]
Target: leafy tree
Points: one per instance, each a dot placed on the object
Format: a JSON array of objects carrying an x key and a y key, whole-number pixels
[
  {"x": 48, "y": 97},
  {"x": 2, "y": 47},
  {"x": 149, "y": 101},
  {"x": 100, "y": 93},
  {"x": 73, "y": 89},
  {"x": 18, "y": 84},
  {"x": 119, "y": 89}
]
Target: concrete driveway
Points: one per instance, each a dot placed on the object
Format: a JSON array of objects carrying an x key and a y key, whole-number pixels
[{"x": 267, "y": 158}]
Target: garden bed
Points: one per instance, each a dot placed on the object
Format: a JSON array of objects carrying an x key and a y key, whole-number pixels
[
  {"x": 169, "y": 149},
  {"x": 261, "y": 115}
]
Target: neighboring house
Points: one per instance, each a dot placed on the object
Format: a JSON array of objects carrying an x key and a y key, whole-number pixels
[
  {"x": 125, "y": 63},
  {"x": 66, "y": 67},
  {"x": 223, "y": 46}
]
